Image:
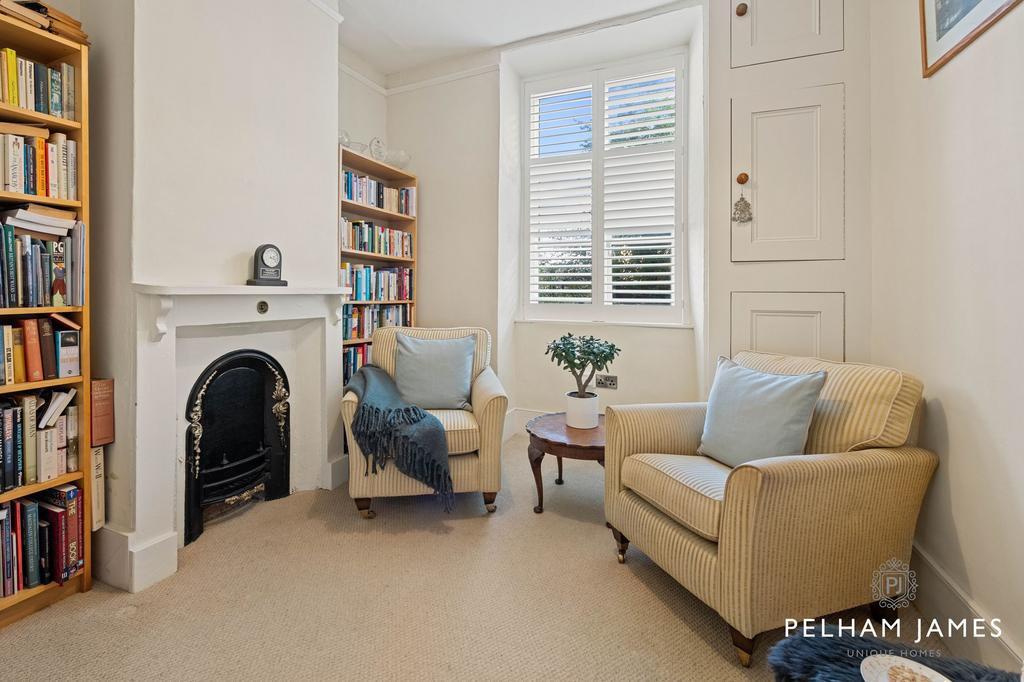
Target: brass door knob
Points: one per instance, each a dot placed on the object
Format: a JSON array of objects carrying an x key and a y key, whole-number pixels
[
  {"x": 741, "y": 9},
  {"x": 742, "y": 178}
]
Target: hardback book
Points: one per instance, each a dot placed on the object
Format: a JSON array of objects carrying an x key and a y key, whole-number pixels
[
  {"x": 30, "y": 165},
  {"x": 56, "y": 106},
  {"x": 16, "y": 538},
  {"x": 52, "y": 13},
  {"x": 47, "y": 348},
  {"x": 72, "y": 170},
  {"x": 11, "y": 63},
  {"x": 30, "y": 83},
  {"x": 10, "y": 463},
  {"x": 56, "y": 517},
  {"x": 10, "y": 260},
  {"x": 67, "y": 80},
  {"x": 28, "y": 419},
  {"x": 60, "y": 143},
  {"x": 18, "y": 336},
  {"x": 58, "y": 285},
  {"x": 21, "y": 82},
  {"x": 30, "y": 541},
  {"x": 48, "y": 459},
  {"x": 13, "y": 180},
  {"x": 42, "y": 103},
  {"x": 6, "y": 549},
  {"x": 23, "y": 129},
  {"x": 102, "y": 412},
  {"x": 52, "y": 170},
  {"x": 99, "y": 517},
  {"x": 57, "y": 217},
  {"x": 68, "y": 353},
  {"x": 33, "y": 351},
  {"x": 23, "y": 13},
  {"x": 19, "y": 447},
  {"x": 45, "y": 573},
  {"x": 8, "y": 332}
]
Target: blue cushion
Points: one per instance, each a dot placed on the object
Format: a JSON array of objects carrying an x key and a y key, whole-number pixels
[
  {"x": 435, "y": 374},
  {"x": 752, "y": 415}
]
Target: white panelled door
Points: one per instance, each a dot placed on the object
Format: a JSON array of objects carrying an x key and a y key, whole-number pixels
[
  {"x": 770, "y": 30},
  {"x": 792, "y": 323},
  {"x": 790, "y": 146}
]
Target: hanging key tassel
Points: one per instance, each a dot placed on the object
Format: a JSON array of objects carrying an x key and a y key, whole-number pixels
[{"x": 741, "y": 212}]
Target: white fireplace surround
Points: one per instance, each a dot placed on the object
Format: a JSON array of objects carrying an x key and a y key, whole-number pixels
[{"x": 181, "y": 330}]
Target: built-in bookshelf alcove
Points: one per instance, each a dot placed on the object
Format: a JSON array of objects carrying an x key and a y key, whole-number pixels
[{"x": 238, "y": 437}]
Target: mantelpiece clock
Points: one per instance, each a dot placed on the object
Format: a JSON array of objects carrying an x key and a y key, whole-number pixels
[{"x": 266, "y": 267}]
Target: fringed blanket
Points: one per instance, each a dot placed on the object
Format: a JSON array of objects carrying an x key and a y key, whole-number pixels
[{"x": 386, "y": 427}]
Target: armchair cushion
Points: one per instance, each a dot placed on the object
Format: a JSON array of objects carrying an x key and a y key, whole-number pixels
[
  {"x": 752, "y": 414},
  {"x": 435, "y": 373},
  {"x": 461, "y": 430},
  {"x": 688, "y": 488}
]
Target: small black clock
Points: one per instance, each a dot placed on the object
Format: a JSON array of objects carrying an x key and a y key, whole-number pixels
[{"x": 266, "y": 267}]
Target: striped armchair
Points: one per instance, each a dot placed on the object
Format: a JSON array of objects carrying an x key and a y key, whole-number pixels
[
  {"x": 474, "y": 438},
  {"x": 784, "y": 537}
]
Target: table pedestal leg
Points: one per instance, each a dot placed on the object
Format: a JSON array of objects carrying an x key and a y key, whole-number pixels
[
  {"x": 559, "y": 481},
  {"x": 536, "y": 455}
]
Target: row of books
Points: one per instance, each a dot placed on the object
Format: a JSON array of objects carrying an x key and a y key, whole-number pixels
[
  {"x": 360, "y": 321},
  {"x": 366, "y": 190},
  {"x": 42, "y": 260},
  {"x": 354, "y": 357},
  {"x": 30, "y": 85},
  {"x": 38, "y": 437},
  {"x": 39, "y": 163},
  {"x": 36, "y": 349},
  {"x": 42, "y": 539},
  {"x": 370, "y": 283},
  {"x": 364, "y": 235}
]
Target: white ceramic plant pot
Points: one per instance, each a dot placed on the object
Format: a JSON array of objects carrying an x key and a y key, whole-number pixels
[{"x": 581, "y": 413}]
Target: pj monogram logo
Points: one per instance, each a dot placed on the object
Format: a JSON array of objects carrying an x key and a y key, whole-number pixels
[{"x": 894, "y": 585}]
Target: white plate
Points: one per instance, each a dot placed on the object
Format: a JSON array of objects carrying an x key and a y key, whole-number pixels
[{"x": 876, "y": 668}]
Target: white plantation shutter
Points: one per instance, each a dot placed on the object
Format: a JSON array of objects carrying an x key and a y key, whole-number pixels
[{"x": 604, "y": 211}]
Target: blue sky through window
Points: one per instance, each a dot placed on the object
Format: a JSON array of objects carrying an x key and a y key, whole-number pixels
[{"x": 565, "y": 123}]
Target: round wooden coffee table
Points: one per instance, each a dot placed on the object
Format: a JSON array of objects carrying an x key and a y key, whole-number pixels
[{"x": 550, "y": 435}]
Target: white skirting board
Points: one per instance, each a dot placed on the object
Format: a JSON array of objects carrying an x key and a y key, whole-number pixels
[{"x": 940, "y": 598}]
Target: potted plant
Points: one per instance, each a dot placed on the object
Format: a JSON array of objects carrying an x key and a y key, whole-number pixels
[{"x": 581, "y": 356}]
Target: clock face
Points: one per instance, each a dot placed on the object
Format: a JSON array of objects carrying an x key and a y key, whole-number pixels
[{"x": 271, "y": 258}]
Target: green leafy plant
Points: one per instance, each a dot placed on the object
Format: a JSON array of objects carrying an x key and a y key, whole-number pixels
[{"x": 582, "y": 356}]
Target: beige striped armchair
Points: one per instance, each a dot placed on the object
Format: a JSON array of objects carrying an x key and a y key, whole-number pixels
[
  {"x": 474, "y": 437},
  {"x": 777, "y": 538}
]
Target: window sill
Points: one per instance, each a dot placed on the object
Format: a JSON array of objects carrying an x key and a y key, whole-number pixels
[{"x": 615, "y": 323}]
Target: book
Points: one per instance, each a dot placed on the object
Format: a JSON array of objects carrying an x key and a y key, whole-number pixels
[
  {"x": 56, "y": 517},
  {"x": 10, "y": 258},
  {"x": 11, "y": 63},
  {"x": 23, "y": 129},
  {"x": 52, "y": 170},
  {"x": 30, "y": 541},
  {"x": 13, "y": 180},
  {"x": 45, "y": 573},
  {"x": 102, "y": 412},
  {"x": 47, "y": 456},
  {"x": 8, "y": 341},
  {"x": 68, "y": 364},
  {"x": 30, "y": 84},
  {"x": 41, "y": 78},
  {"x": 6, "y": 549},
  {"x": 33, "y": 351},
  {"x": 58, "y": 401},
  {"x": 56, "y": 105},
  {"x": 22, "y": 98},
  {"x": 28, "y": 418},
  {"x": 72, "y": 170},
  {"x": 19, "y": 448},
  {"x": 52, "y": 13},
  {"x": 47, "y": 348},
  {"x": 60, "y": 143},
  {"x": 12, "y": 8},
  {"x": 71, "y": 420},
  {"x": 7, "y": 444},
  {"x": 99, "y": 517},
  {"x": 67, "y": 80},
  {"x": 18, "y": 337}
]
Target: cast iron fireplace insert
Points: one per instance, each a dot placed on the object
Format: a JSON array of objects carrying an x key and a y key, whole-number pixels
[{"x": 238, "y": 437}]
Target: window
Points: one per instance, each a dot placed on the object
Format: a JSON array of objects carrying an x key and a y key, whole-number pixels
[{"x": 603, "y": 156}]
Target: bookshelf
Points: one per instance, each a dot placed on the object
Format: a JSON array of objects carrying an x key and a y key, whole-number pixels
[
  {"x": 52, "y": 50},
  {"x": 352, "y": 210}
]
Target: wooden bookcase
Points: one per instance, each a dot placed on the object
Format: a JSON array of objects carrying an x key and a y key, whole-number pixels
[
  {"x": 390, "y": 177},
  {"x": 50, "y": 49}
]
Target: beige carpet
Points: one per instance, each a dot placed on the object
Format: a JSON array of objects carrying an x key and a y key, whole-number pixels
[{"x": 303, "y": 588}]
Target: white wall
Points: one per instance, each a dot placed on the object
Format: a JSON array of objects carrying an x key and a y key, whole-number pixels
[
  {"x": 450, "y": 129},
  {"x": 235, "y": 146},
  {"x": 363, "y": 104},
  {"x": 510, "y": 201},
  {"x": 696, "y": 191},
  {"x": 947, "y": 162}
]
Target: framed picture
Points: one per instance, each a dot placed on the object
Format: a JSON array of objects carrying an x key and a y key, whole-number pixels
[{"x": 948, "y": 26}]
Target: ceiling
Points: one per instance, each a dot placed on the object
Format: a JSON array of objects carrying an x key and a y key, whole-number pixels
[{"x": 394, "y": 35}]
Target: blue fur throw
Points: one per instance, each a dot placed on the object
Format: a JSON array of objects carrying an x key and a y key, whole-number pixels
[
  {"x": 388, "y": 428},
  {"x": 838, "y": 659}
]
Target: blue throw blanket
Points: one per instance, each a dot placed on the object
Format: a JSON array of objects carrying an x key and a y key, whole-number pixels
[{"x": 386, "y": 427}]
